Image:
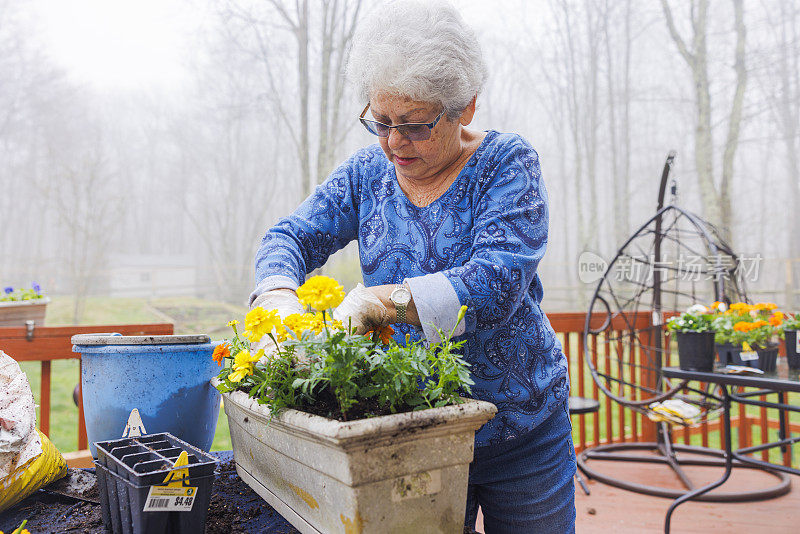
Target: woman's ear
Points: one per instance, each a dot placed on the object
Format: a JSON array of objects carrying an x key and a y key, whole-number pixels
[{"x": 468, "y": 113}]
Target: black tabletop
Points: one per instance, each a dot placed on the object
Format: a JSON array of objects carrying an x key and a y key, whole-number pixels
[
  {"x": 783, "y": 379},
  {"x": 579, "y": 405}
]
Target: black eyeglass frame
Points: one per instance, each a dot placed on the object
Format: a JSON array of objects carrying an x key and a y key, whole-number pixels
[{"x": 402, "y": 128}]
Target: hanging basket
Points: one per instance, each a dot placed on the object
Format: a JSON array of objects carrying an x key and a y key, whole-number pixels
[{"x": 17, "y": 312}]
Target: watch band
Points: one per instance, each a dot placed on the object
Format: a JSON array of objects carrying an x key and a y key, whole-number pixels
[
  {"x": 400, "y": 297},
  {"x": 401, "y": 310}
]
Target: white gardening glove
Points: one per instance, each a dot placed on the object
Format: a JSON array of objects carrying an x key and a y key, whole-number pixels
[
  {"x": 362, "y": 311},
  {"x": 285, "y": 301}
]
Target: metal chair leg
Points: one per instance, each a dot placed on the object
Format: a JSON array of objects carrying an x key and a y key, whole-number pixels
[{"x": 580, "y": 480}]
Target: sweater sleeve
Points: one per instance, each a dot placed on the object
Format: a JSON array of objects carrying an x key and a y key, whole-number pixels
[
  {"x": 509, "y": 237},
  {"x": 324, "y": 223}
]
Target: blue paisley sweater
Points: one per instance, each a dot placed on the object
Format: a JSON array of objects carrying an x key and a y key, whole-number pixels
[{"x": 478, "y": 244}]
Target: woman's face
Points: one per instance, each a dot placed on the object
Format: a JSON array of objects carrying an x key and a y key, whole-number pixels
[{"x": 418, "y": 160}]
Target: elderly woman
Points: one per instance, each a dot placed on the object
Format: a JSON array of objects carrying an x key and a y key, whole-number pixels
[{"x": 445, "y": 216}]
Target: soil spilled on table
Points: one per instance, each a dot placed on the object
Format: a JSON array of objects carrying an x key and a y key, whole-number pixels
[{"x": 237, "y": 509}]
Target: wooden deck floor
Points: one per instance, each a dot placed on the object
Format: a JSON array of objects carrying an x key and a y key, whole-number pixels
[{"x": 613, "y": 510}]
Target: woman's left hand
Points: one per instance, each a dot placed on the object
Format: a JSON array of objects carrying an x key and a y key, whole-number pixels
[{"x": 362, "y": 311}]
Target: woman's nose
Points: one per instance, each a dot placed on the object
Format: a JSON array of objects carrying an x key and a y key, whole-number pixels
[{"x": 396, "y": 139}]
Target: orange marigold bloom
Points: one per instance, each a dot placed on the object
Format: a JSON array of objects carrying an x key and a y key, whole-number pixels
[
  {"x": 776, "y": 319},
  {"x": 385, "y": 334},
  {"x": 221, "y": 352},
  {"x": 740, "y": 307},
  {"x": 743, "y": 326},
  {"x": 760, "y": 323}
]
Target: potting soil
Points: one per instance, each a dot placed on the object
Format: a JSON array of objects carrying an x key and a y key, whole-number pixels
[{"x": 234, "y": 509}]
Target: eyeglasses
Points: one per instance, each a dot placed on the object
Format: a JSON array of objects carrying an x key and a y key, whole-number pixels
[{"x": 414, "y": 131}]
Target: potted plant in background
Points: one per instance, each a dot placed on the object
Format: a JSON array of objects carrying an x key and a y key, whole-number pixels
[
  {"x": 350, "y": 433},
  {"x": 749, "y": 335},
  {"x": 791, "y": 325},
  {"x": 20, "y": 305},
  {"x": 695, "y": 334}
]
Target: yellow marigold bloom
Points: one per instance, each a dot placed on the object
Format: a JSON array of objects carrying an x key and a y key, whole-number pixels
[
  {"x": 260, "y": 322},
  {"x": 321, "y": 293},
  {"x": 243, "y": 364},
  {"x": 299, "y": 323}
]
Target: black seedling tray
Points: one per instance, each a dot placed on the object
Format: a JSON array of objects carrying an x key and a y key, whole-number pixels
[{"x": 126, "y": 470}]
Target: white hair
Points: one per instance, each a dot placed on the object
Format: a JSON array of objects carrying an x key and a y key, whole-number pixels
[{"x": 421, "y": 49}]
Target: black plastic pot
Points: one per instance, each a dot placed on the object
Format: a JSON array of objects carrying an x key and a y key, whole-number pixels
[
  {"x": 766, "y": 360},
  {"x": 696, "y": 351},
  {"x": 792, "y": 354},
  {"x": 127, "y": 469},
  {"x": 724, "y": 353}
]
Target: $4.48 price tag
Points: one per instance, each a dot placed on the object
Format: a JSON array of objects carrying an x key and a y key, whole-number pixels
[{"x": 166, "y": 499}]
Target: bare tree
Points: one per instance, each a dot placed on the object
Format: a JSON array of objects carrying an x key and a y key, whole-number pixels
[
  {"x": 88, "y": 205},
  {"x": 716, "y": 199},
  {"x": 781, "y": 83},
  {"x": 321, "y": 36}
]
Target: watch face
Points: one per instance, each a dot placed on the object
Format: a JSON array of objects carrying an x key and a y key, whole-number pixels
[{"x": 401, "y": 296}]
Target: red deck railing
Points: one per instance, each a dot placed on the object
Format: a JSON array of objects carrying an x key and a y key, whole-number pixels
[
  {"x": 614, "y": 423},
  {"x": 611, "y": 424}
]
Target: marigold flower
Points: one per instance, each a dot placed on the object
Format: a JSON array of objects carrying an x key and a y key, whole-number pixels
[
  {"x": 385, "y": 334},
  {"x": 776, "y": 319},
  {"x": 260, "y": 322},
  {"x": 302, "y": 322},
  {"x": 321, "y": 293},
  {"x": 741, "y": 307},
  {"x": 768, "y": 306},
  {"x": 743, "y": 326},
  {"x": 760, "y": 323},
  {"x": 243, "y": 364},
  {"x": 221, "y": 352}
]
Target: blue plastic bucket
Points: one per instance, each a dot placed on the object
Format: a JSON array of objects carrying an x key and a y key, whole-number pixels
[{"x": 165, "y": 377}]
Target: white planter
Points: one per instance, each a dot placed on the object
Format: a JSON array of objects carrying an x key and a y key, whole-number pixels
[
  {"x": 15, "y": 313},
  {"x": 397, "y": 473}
]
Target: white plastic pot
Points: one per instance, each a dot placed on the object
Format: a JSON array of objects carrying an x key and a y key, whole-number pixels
[{"x": 397, "y": 473}]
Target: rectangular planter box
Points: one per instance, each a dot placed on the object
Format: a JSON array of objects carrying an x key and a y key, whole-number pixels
[
  {"x": 397, "y": 473},
  {"x": 15, "y": 313}
]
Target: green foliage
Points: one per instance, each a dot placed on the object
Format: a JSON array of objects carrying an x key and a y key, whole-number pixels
[
  {"x": 691, "y": 322},
  {"x": 356, "y": 369},
  {"x": 792, "y": 322}
]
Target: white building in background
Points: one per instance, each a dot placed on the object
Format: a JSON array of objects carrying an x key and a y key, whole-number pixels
[{"x": 151, "y": 275}]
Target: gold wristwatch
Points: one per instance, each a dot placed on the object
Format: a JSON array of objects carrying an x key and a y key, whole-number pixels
[{"x": 400, "y": 297}]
